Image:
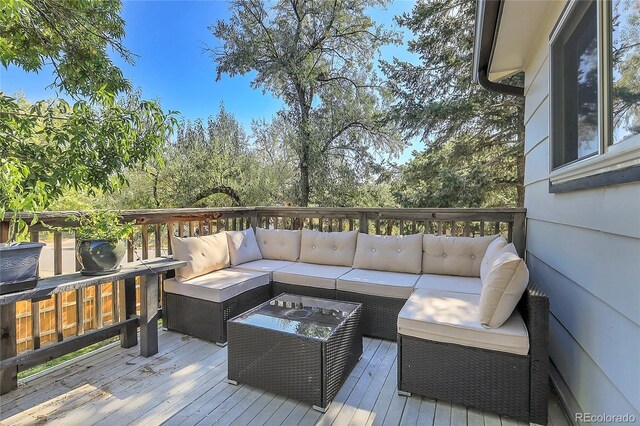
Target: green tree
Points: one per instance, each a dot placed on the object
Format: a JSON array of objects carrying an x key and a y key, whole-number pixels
[
  {"x": 88, "y": 145},
  {"x": 317, "y": 56},
  {"x": 474, "y": 138}
]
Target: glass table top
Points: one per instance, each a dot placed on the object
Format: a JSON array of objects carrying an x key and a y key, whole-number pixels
[{"x": 301, "y": 315}]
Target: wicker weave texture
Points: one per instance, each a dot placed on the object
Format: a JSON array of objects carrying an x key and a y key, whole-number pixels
[
  {"x": 380, "y": 314},
  {"x": 308, "y": 370},
  {"x": 205, "y": 319},
  {"x": 508, "y": 384},
  {"x": 488, "y": 380},
  {"x": 303, "y": 290}
]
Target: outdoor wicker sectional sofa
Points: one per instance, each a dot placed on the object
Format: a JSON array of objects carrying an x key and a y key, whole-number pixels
[{"x": 469, "y": 329}]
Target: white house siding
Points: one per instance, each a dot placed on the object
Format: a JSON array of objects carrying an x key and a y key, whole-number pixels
[{"x": 583, "y": 249}]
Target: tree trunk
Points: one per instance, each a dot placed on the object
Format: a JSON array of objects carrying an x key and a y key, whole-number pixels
[
  {"x": 303, "y": 194},
  {"x": 521, "y": 158},
  {"x": 520, "y": 184},
  {"x": 303, "y": 133}
]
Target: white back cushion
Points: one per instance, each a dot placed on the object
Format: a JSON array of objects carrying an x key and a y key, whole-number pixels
[
  {"x": 489, "y": 256},
  {"x": 393, "y": 253},
  {"x": 503, "y": 287},
  {"x": 203, "y": 254},
  {"x": 243, "y": 246},
  {"x": 328, "y": 248},
  {"x": 454, "y": 255},
  {"x": 279, "y": 244}
]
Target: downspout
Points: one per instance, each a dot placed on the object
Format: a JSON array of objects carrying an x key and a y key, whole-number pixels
[{"x": 488, "y": 13}]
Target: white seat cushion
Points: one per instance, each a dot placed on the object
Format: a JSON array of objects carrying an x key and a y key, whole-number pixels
[
  {"x": 328, "y": 248},
  {"x": 265, "y": 265},
  {"x": 378, "y": 283},
  {"x": 470, "y": 285},
  {"x": 455, "y": 318},
  {"x": 310, "y": 275},
  {"x": 218, "y": 286}
]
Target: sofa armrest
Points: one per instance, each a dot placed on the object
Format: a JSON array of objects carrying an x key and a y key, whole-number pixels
[{"x": 534, "y": 308}]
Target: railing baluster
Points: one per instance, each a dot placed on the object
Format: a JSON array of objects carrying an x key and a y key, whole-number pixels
[
  {"x": 170, "y": 233},
  {"x": 467, "y": 228},
  {"x": 157, "y": 241},
  {"x": 191, "y": 228},
  {"x": 80, "y": 311},
  {"x": 145, "y": 241},
  {"x": 482, "y": 228},
  {"x": 115, "y": 301},
  {"x": 35, "y": 324},
  {"x": 97, "y": 298},
  {"x": 59, "y": 311},
  {"x": 130, "y": 248}
]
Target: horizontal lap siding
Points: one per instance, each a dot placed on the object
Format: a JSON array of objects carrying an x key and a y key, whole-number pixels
[
  {"x": 583, "y": 249},
  {"x": 602, "y": 332}
]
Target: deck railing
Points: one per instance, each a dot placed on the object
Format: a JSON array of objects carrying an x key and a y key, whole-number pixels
[{"x": 74, "y": 313}]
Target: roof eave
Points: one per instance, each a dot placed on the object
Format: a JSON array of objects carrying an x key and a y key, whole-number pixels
[{"x": 487, "y": 22}]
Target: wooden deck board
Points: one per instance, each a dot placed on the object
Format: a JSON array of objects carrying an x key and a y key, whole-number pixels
[{"x": 185, "y": 384}]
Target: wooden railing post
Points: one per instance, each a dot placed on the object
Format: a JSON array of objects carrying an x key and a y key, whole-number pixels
[
  {"x": 8, "y": 347},
  {"x": 129, "y": 335},
  {"x": 254, "y": 220},
  {"x": 148, "y": 315},
  {"x": 519, "y": 232},
  {"x": 364, "y": 223}
]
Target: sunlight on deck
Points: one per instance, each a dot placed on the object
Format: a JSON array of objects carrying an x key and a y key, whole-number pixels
[{"x": 185, "y": 384}]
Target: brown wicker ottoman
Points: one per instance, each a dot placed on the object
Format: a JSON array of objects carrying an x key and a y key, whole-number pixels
[
  {"x": 300, "y": 347},
  {"x": 508, "y": 384}
]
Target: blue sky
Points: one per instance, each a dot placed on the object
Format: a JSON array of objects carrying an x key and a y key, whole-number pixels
[{"x": 169, "y": 37}]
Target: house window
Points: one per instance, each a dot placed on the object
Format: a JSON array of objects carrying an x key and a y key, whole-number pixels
[
  {"x": 624, "y": 16},
  {"x": 594, "y": 80}
]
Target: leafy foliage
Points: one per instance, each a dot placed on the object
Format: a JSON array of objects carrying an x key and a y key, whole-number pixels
[
  {"x": 474, "y": 138},
  {"x": 99, "y": 225},
  {"x": 48, "y": 147},
  {"x": 318, "y": 57},
  {"x": 71, "y": 35}
]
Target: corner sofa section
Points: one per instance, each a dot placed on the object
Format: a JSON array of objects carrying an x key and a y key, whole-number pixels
[{"x": 450, "y": 302}]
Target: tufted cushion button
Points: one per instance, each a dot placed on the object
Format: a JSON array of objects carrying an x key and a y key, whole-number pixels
[
  {"x": 399, "y": 250},
  {"x": 264, "y": 242},
  {"x": 444, "y": 255},
  {"x": 245, "y": 244},
  {"x": 334, "y": 248},
  {"x": 373, "y": 250},
  {"x": 202, "y": 254},
  {"x": 282, "y": 243},
  {"x": 473, "y": 256},
  {"x": 313, "y": 247}
]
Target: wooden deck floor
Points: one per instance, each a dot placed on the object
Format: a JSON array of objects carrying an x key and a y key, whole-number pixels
[{"x": 185, "y": 384}]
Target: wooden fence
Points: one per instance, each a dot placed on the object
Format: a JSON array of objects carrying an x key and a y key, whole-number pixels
[{"x": 73, "y": 313}]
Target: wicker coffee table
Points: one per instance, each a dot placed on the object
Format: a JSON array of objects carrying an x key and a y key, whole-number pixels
[{"x": 297, "y": 346}]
